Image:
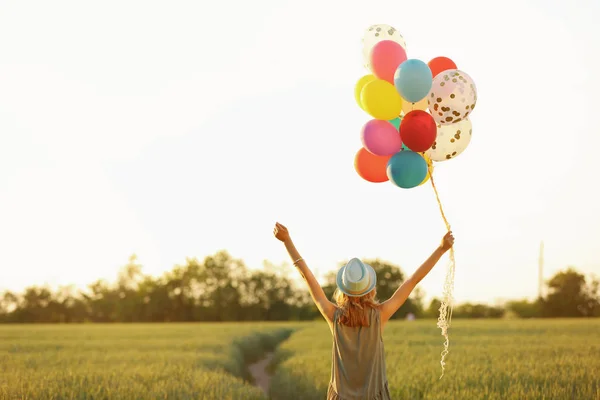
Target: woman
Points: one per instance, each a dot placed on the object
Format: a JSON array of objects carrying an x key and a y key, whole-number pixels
[{"x": 357, "y": 320}]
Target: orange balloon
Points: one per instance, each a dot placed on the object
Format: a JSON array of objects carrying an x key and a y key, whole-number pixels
[
  {"x": 370, "y": 167},
  {"x": 440, "y": 64}
]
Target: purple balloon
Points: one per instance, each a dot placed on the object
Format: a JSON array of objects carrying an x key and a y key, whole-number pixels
[{"x": 381, "y": 138}]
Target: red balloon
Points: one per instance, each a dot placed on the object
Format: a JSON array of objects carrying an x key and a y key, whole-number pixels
[
  {"x": 370, "y": 167},
  {"x": 386, "y": 56},
  {"x": 440, "y": 64},
  {"x": 418, "y": 130}
]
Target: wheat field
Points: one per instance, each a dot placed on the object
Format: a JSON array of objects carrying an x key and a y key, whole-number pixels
[
  {"x": 504, "y": 359},
  {"x": 131, "y": 361},
  {"x": 500, "y": 359}
]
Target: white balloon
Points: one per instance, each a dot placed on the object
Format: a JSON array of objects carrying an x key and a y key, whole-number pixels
[
  {"x": 374, "y": 35},
  {"x": 452, "y": 97},
  {"x": 451, "y": 140}
]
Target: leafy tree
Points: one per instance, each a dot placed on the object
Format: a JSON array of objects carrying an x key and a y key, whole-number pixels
[
  {"x": 433, "y": 311},
  {"x": 570, "y": 296},
  {"x": 469, "y": 310},
  {"x": 221, "y": 288},
  {"x": 525, "y": 308},
  {"x": 267, "y": 296},
  {"x": 417, "y": 299},
  {"x": 221, "y": 277}
]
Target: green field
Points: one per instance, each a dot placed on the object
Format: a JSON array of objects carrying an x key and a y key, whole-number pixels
[
  {"x": 504, "y": 359},
  {"x": 499, "y": 359},
  {"x": 131, "y": 361}
]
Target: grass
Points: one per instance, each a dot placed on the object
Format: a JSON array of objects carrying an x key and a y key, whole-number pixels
[
  {"x": 503, "y": 359},
  {"x": 133, "y": 361}
]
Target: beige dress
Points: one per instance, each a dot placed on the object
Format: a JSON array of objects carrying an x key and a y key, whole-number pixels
[{"x": 358, "y": 361}]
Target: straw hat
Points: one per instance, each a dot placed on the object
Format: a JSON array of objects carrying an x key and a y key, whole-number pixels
[{"x": 356, "y": 278}]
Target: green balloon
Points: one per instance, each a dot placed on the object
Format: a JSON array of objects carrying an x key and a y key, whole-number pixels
[{"x": 396, "y": 122}]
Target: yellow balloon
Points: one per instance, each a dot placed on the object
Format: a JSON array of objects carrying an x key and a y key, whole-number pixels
[
  {"x": 429, "y": 168},
  {"x": 359, "y": 87},
  {"x": 381, "y": 100},
  {"x": 419, "y": 105}
]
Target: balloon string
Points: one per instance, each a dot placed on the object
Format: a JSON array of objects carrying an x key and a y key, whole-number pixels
[
  {"x": 447, "y": 304},
  {"x": 437, "y": 197}
]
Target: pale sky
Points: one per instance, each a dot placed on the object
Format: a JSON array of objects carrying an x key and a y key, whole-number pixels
[{"x": 175, "y": 129}]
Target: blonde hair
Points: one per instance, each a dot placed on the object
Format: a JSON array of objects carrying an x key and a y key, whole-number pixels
[{"x": 354, "y": 310}]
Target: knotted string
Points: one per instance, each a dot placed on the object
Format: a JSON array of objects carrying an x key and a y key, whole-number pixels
[{"x": 447, "y": 305}]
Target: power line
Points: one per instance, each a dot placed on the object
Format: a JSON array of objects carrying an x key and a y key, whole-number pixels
[{"x": 541, "y": 270}]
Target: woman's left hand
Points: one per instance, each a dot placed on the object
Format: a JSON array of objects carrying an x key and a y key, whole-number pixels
[
  {"x": 281, "y": 232},
  {"x": 447, "y": 241}
]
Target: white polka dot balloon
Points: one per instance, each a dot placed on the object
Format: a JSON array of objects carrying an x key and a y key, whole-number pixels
[
  {"x": 452, "y": 97},
  {"x": 377, "y": 33},
  {"x": 451, "y": 140}
]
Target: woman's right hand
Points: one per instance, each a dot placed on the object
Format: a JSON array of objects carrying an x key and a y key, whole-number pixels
[
  {"x": 447, "y": 241},
  {"x": 281, "y": 232}
]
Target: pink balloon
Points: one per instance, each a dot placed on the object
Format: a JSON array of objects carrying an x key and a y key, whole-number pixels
[
  {"x": 386, "y": 56},
  {"x": 380, "y": 138}
]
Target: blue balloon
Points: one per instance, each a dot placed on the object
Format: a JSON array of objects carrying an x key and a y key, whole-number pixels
[
  {"x": 413, "y": 80},
  {"x": 407, "y": 169}
]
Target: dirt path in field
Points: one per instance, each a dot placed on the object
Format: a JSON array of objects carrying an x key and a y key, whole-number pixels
[{"x": 259, "y": 372}]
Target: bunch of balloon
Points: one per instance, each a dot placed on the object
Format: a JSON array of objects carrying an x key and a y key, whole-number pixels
[{"x": 419, "y": 111}]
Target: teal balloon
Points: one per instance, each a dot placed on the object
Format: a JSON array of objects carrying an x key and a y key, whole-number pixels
[
  {"x": 406, "y": 169},
  {"x": 413, "y": 80},
  {"x": 396, "y": 122}
]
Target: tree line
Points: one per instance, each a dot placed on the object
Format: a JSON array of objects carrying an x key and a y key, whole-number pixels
[{"x": 222, "y": 288}]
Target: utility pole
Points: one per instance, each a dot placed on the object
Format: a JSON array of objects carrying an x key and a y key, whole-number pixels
[{"x": 541, "y": 270}]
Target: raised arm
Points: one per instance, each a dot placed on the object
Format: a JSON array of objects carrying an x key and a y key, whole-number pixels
[
  {"x": 326, "y": 307},
  {"x": 392, "y": 305}
]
